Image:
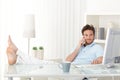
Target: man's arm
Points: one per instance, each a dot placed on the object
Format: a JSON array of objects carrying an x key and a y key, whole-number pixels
[{"x": 72, "y": 56}]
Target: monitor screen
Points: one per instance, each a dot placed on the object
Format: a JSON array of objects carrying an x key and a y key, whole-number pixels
[{"x": 112, "y": 45}]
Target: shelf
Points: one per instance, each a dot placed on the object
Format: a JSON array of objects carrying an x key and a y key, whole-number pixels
[
  {"x": 102, "y": 20},
  {"x": 99, "y": 41}
]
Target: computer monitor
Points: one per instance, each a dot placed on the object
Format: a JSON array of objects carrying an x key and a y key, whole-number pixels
[{"x": 112, "y": 45}]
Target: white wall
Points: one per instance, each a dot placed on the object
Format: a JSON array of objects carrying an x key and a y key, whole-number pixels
[
  {"x": 1, "y": 47},
  {"x": 103, "y": 6},
  {"x": 59, "y": 21}
]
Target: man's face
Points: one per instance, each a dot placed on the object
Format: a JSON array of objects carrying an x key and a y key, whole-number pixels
[{"x": 88, "y": 36}]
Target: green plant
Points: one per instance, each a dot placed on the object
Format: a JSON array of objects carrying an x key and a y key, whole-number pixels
[
  {"x": 41, "y": 48},
  {"x": 34, "y": 48}
]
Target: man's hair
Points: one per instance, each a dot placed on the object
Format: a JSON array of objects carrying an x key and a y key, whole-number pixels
[{"x": 88, "y": 27}]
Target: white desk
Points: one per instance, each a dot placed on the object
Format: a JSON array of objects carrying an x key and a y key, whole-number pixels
[{"x": 53, "y": 70}]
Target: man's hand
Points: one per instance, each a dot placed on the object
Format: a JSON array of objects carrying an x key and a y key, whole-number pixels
[
  {"x": 82, "y": 41},
  {"x": 98, "y": 60}
]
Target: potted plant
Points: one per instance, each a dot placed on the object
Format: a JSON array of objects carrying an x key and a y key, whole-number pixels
[
  {"x": 34, "y": 51},
  {"x": 34, "y": 48},
  {"x": 41, "y": 48},
  {"x": 41, "y": 53}
]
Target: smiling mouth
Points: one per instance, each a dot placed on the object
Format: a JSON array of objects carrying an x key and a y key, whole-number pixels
[{"x": 89, "y": 41}]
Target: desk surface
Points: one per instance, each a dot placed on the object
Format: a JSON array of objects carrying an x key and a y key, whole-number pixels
[
  {"x": 53, "y": 70},
  {"x": 99, "y": 70}
]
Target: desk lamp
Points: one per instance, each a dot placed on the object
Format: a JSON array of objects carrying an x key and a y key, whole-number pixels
[{"x": 29, "y": 28}]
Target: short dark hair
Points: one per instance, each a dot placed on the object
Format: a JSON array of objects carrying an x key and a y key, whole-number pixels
[{"x": 88, "y": 27}]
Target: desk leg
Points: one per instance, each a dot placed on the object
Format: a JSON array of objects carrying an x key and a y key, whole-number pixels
[
  {"x": 10, "y": 78},
  {"x": 29, "y": 79}
]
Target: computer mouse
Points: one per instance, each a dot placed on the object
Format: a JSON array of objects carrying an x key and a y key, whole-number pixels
[{"x": 110, "y": 66}]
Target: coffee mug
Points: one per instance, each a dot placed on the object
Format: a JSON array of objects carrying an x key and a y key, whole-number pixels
[{"x": 65, "y": 66}]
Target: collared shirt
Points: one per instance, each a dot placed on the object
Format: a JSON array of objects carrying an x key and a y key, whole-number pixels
[{"x": 88, "y": 53}]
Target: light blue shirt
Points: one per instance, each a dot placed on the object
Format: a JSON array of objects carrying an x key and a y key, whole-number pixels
[{"x": 88, "y": 53}]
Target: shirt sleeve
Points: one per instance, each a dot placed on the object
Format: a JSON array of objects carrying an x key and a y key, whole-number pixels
[{"x": 99, "y": 51}]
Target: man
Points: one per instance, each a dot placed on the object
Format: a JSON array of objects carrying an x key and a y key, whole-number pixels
[{"x": 87, "y": 51}]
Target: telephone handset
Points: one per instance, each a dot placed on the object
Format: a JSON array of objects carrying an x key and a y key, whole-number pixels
[{"x": 83, "y": 41}]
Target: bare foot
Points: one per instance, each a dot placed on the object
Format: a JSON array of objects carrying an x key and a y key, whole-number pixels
[
  {"x": 12, "y": 45},
  {"x": 11, "y": 52}
]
